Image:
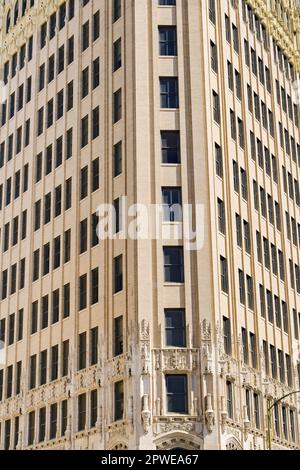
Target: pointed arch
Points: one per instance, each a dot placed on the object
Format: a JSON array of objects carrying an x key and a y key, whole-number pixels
[
  {"x": 117, "y": 444},
  {"x": 179, "y": 440},
  {"x": 233, "y": 444}
]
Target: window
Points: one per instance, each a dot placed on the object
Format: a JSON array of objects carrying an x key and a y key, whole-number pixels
[
  {"x": 95, "y": 174},
  {"x": 32, "y": 371},
  {"x": 229, "y": 390},
  {"x": 85, "y": 83},
  {"x": 56, "y": 253},
  {"x": 61, "y": 59},
  {"x": 85, "y": 36},
  {"x": 119, "y": 400},
  {"x": 60, "y": 104},
  {"x": 216, "y": 107},
  {"x": 44, "y": 312},
  {"x": 94, "y": 346},
  {"x": 173, "y": 264},
  {"x": 49, "y": 113},
  {"x": 81, "y": 412},
  {"x": 250, "y": 294},
  {"x": 170, "y": 145},
  {"x": 221, "y": 217},
  {"x": 96, "y": 25},
  {"x": 66, "y": 301},
  {"x": 84, "y": 183},
  {"x": 117, "y": 10},
  {"x": 94, "y": 234},
  {"x": 84, "y": 131},
  {"x": 34, "y": 318},
  {"x": 96, "y": 123},
  {"x": 47, "y": 208},
  {"x": 219, "y": 161},
  {"x": 118, "y": 274},
  {"x": 253, "y": 350},
  {"x": 31, "y": 427},
  {"x": 227, "y": 335},
  {"x": 70, "y": 50},
  {"x": 70, "y": 95},
  {"x": 176, "y": 388},
  {"x": 53, "y": 421},
  {"x": 83, "y": 292},
  {"x": 117, "y": 55},
  {"x": 94, "y": 408},
  {"x": 82, "y": 351},
  {"x": 36, "y": 262},
  {"x": 117, "y": 106},
  {"x": 175, "y": 328},
  {"x": 118, "y": 336},
  {"x": 65, "y": 358},
  {"x": 273, "y": 362},
  {"x": 83, "y": 236},
  {"x": 117, "y": 159},
  {"x": 117, "y": 215},
  {"x": 167, "y": 40},
  {"x": 224, "y": 275},
  {"x": 94, "y": 286},
  {"x": 292, "y": 425},
  {"x": 55, "y": 306},
  {"x": 172, "y": 204},
  {"x": 96, "y": 73},
  {"x": 54, "y": 363},
  {"x": 214, "y": 57},
  {"x": 256, "y": 409},
  {"x": 169, "y": 93},
  {"x": 62, "y": 16}
]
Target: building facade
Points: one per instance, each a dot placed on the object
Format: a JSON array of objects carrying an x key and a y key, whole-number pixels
[{"x": 149, "y": 341}]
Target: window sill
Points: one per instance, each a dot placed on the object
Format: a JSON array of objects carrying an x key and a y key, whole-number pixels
[
  {"x": 168, "y": 56},
  {"x": 174, "y": 284},
  {"x": 171, "y": 165}
]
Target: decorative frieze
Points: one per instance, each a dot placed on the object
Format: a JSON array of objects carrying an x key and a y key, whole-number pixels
[
  {"x": 25, "y": 27},
  {"x": 176, "y": 359},
  {"x": 170, "y": 424},
  {"x": 283, "y": 24},
  {"x": 86, "y": 379}
]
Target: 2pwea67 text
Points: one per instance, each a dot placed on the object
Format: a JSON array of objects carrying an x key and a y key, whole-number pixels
[{"x": 171, "y": 459}]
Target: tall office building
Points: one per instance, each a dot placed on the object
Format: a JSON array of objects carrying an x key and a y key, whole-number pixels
[{"x": 139, "y": 340}]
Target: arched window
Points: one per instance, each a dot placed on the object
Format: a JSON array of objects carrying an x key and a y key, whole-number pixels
[
  {"x": 16, "y": 12},
  {"x": 8, "y": 22},
  {"x": 24, "y": 6}
]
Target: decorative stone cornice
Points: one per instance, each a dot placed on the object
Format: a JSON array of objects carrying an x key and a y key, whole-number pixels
[
  {"x": 283, "y": 24},
  {"x": 49, "y": 393},
  {"x": 25, "y": 27}
]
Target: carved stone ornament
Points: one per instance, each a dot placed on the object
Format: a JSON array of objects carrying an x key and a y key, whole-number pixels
[
  {"x": 209, "y": 414},
  {"x": 146, "y": 414}
]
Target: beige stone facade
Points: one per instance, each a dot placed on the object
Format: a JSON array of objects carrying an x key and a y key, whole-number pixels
[{"x": 94, "y": 89}]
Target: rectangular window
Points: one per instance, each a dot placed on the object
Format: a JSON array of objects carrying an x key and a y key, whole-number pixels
[
  {"x": 174, "y": 264},
  {"x": 177, "y": 398},
  {"x": 118, "y": 401},
  {"x": 175, "y": 328},
  {"x": 118, "y": 336},
  {"x": 169, "y": 97}
]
